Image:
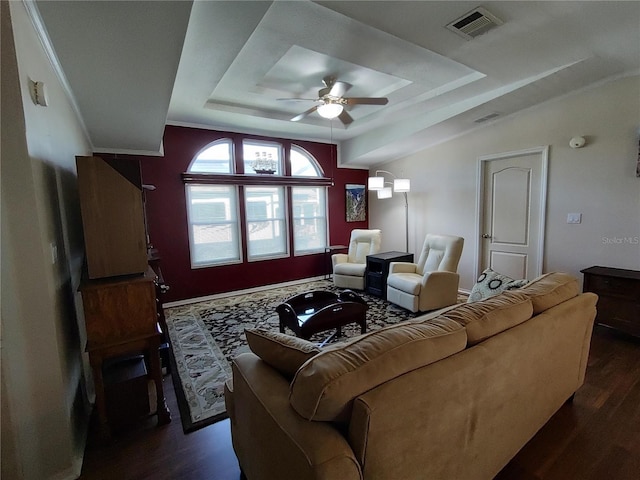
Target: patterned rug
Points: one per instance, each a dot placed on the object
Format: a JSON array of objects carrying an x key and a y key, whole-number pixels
[{"x": 205, "y": 337}]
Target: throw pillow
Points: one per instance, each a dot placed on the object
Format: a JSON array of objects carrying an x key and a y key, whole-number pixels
[
  {"x": 283, "y": 352},
  {"x": 492, "y": 283}
]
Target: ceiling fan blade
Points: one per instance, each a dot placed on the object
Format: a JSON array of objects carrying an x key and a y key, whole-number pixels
[
  {"x": 291, "y": 99},
  {"x": 366, "y": 100},
  {"x": 304, "y": 114},
  {"x": 345, "y": 117}
]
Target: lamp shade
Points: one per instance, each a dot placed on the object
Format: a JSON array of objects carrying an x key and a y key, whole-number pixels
[
  {"x": 330, "y": 110},
  {"x": 385, "y": 192},
  {"x": 376, "y": 183},
  {"x": 402, "y": 185}
]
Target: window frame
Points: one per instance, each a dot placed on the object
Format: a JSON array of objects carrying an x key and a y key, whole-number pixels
[
  {"x": 241, "y": 181},
  {"x": 285, "y": 229},
  {"x": 238, "y": 231}
]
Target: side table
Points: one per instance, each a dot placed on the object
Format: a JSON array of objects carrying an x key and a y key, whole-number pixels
[
  {"x": 328, "y": 252},
  {"x": 618, "y": 293},
  {"x": 378, "y": 271}
]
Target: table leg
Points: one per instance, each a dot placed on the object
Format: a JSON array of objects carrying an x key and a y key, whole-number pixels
[
  {"x": 104, "y": 431},
  {"x": 164, "y": 416}
]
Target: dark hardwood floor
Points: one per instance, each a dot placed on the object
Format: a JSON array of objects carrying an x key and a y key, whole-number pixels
[{"x": 597, "y": 436}]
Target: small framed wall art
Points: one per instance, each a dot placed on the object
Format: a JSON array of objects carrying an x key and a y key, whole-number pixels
[{"x": 356, "y": 204}]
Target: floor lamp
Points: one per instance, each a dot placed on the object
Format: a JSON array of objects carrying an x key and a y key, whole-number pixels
[{"x": 400, "y": 185}]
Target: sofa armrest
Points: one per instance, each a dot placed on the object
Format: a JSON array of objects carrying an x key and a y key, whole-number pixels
[
  {"x": 439, "y": 289},
  {"x": 272, "y": 441},
  {"x": 441, "y": 280},
  {"x": 402, "y": 267}
]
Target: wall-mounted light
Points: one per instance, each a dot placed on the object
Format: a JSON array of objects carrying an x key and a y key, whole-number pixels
[{"x": 400, "y": 185}]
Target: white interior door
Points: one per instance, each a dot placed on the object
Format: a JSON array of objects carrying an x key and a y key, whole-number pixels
[{"x": 511, "y": 220}]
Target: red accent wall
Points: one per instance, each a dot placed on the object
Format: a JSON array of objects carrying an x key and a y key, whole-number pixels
[{"x": 167, "y": 218}]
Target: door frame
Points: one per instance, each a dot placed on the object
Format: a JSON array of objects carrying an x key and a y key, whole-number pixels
[{"x": 482, "y": 163}]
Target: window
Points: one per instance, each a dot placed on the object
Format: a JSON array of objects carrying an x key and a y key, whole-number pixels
[
  {"x": 309, "y": 219},
  {"x": 266, "y": 224},
  {"x": 214, "y": 191},
  {"x": 309, "y": 206},
  {"x": 261, "y": 156},
  {"x": 215, "y": 158},
  {"x": 303, "y": 164},
  {"x": 213, "y": 220}
]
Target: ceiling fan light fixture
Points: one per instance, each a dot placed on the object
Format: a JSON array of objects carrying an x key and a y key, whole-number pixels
[{"x": 330, "y": 110}]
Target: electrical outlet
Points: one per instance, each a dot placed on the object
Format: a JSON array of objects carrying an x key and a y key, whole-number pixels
[{"x": 574, "y": 218}]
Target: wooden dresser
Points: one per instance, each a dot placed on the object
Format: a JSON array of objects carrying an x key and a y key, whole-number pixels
[{"x": 619, "y": 297}]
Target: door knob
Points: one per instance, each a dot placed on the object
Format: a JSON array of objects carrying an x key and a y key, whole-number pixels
[{"x": 486, "y": 235}]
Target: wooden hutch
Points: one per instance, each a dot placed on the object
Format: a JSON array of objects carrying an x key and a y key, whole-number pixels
[{"x": 119, "y": 287}]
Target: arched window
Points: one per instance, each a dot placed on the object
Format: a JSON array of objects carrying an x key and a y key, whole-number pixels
[
  {"x": 212, "y": 210},
  {"x": 309, "y": 207},
  {"x": 254, "y": 213},
  {"x": 217, "y": 157},
  {"x": 303, "y": 164}
]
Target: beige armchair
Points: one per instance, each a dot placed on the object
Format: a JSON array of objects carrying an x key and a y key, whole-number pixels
[
  {"x": 433, "y": 281},
  {"x": 349, "y": 268}
]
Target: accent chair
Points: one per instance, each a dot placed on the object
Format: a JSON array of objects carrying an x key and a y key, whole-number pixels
[
  {"x": 432, "y": 282},
  {"x": 349, "y": 268}
]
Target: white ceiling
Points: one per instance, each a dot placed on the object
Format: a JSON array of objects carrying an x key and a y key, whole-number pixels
[{"x": 133, "y": 66}]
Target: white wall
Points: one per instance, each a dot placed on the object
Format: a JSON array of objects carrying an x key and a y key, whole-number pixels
[
  {"x": 597, "y": 180},
  {"x": 44, "y": 400}
]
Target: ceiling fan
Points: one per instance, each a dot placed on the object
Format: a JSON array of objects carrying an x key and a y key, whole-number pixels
[{"x": 331, "y": 103}]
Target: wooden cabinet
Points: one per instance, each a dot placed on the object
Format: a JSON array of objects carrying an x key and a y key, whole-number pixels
[
  {"x": 618, "y": 293},
  {"x": 118, "y": 309},
  {"x": 112, "y": 216},
  {"x": 378, "y": 270},
  {"x": 121, "y": 319}
]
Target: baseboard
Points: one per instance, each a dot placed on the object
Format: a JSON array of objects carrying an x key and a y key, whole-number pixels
[{"x": 179, "y": 303}]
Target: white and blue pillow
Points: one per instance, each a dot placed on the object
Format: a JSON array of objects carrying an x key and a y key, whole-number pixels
[{"x": 492, "y": 283}]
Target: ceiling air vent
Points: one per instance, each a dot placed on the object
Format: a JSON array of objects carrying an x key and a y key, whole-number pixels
[
  {"x": 491, "y": 116},
  {"x": 474, "y": 23}
]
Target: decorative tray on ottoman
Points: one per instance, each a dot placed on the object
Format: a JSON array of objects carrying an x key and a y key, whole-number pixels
[{"x": 312, "y": 312}]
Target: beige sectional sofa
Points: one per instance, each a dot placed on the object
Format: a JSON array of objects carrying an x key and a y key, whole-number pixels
[{"x": 447, "y": 396}]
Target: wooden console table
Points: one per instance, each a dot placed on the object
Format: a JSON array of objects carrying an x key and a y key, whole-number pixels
[
  {"x": 378, "y": 271},
  {"x": 618, "y": 293},
  {"x": 121, "y": 319}
]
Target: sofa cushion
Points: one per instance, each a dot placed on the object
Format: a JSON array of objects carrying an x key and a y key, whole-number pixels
[
  {"x": 324, "y": 387},
  {"x": 406, "y": 282},
  {"x": 492, "y": 283},
  {"x": 353, "y": 269},
  {"x": 551, "y": 289},
  {"x": 283, "y": 352},
  {"x": 491, "y": 316}
]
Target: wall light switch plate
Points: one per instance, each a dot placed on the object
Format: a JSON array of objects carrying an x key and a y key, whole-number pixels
[{"x": 574, "y": 218}]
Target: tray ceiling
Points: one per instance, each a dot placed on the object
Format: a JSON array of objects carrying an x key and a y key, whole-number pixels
[{"x": 132, "y": 67}]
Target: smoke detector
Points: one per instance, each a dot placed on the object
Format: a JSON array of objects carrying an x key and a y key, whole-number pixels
[{"x": 474, "y": 23}]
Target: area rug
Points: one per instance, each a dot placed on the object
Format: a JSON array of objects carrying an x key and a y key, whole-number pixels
[{"x": 205, "y": 337}]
